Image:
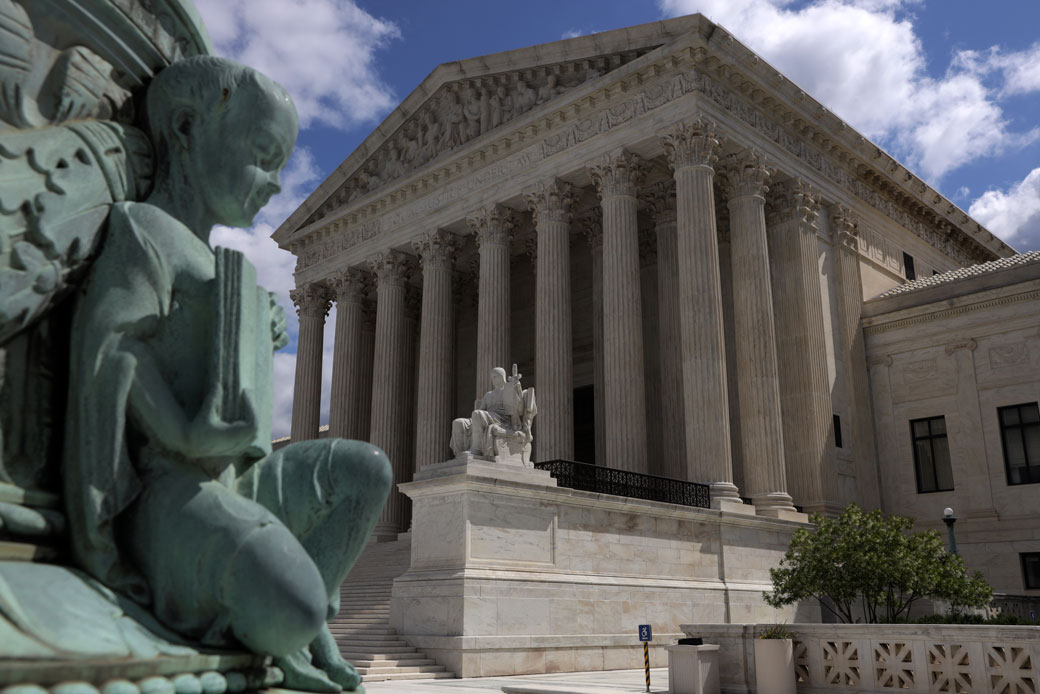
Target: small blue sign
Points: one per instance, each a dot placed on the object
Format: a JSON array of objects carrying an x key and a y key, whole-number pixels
[{"x": 645, "y": 633}]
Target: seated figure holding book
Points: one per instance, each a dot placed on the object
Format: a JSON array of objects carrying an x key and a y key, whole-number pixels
[{"x": 175, "y": 497}]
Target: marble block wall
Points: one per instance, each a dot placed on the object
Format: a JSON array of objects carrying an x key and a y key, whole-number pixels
[{"x": 513, "y": 575}]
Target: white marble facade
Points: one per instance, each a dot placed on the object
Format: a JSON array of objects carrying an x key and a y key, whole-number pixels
[{"x": 654, "y": 212}]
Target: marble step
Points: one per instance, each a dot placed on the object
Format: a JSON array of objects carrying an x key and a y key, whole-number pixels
[
  {"x": 363, "y": 657},
  {"x": 368, "y": 636},
  {"x": 355, "y": 645},
  {"x": 391, "y": 663},
  {"x": 394, "y": 670},
  {"x": 411, "y": 676}
]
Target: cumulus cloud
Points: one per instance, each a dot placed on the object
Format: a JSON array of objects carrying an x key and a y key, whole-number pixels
[
  {"x": 864, "y": 61},
  {"x": 1018, "y": 70},
  {"x": 1014, "y": 214},
  {"x": 322, "y": 51},
  {"x": 275, "y": 272}
]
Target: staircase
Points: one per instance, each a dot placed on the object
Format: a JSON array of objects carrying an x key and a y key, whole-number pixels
[{"x": 362, "y": 628}]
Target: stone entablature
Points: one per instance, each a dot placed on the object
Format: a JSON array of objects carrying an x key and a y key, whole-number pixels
[{"x": 771, "y": 105}]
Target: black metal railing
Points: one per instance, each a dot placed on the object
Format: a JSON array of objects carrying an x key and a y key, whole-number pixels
[{"x": 605, "y": 480}]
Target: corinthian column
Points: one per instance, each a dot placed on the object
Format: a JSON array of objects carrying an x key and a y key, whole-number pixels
[
  {"x": 617, "y": 178},
  {"x": 805, "y": 397},
  {"x": 661, "y": 202},
  {"x": 757, "y": 380},
  {"x": 312, "y": 305},
  {"x": 349, "y": 396},
  {"x": 692, "y": 150},
  {"x": 389, "y": 380},
  {"x": 436, "y": 252},
  {"x": 850, "y": 301},
  {"x": 592, "y": 226},
  {"x": 550, "y": 205},
  {"x": 492, "y": 227}
]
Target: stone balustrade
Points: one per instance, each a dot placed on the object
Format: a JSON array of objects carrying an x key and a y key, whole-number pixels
[{"x": 959, "y": 659}]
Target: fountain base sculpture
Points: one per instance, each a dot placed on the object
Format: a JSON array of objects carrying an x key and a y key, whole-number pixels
[{"x": 136, "y": 368}]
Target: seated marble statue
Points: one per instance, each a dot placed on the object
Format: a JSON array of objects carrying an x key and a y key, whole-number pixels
[
  {"x": 500, "y": 427},
  {"x": 174, "y": 496}
]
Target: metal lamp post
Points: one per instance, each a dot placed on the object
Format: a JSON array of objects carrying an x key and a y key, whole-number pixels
[{"x": 949, "y": 520}]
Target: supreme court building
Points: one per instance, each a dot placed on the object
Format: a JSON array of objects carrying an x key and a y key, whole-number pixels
[{"x": 681, "y": 251}]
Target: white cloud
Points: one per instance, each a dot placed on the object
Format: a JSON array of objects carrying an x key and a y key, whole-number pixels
[
  {"x": 1020, "y": 70},
  {"x": 274, "y": 269},
  {"x": 322, "y": 51},
  {"x": 1013, "y": 215},
  {"x": 864, "y": 61}
]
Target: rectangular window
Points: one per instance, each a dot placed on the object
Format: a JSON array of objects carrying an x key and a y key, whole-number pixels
[
  {"x": 931, "y": 455},
  {"x": 1031, "y": 570},
  {"x": 1020, "y": 433},
  {"x": 908, "y": 266},
  {"x": 837, "y": 431}
]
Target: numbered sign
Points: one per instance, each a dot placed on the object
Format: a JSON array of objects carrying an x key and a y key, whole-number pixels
[{"x": 645, "y": 633}]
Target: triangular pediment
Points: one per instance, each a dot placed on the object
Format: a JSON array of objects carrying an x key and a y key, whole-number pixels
[{"x": 467, "y": 100}]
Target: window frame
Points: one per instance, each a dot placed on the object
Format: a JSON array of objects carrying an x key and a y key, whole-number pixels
[
  {"x": 1023, "y": 558},
  {"x": 914, "y": 438},
  {"x": 909, "y": 267},
  {"x": 1033, "y": 469}
]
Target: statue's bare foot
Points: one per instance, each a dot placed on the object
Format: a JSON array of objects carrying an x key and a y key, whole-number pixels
[
  {"x": 301, "y": 674},
  {"x": 326, "y": 656}
]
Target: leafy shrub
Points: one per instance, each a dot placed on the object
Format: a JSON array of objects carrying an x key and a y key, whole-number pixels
[{"x": 873, "y": 560}]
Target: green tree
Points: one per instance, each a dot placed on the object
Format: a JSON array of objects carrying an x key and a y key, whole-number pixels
[{"x": 875, "y": 561}]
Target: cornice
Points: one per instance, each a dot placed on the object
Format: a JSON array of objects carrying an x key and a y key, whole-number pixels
[
  {"x": 778, "y": 111},
  {"x": 923, "y": 314}
]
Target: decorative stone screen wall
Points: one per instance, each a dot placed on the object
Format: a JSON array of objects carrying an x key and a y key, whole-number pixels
[{"x": 889, "y": 657}]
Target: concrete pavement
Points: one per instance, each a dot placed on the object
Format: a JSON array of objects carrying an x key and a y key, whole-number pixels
[{"x": 604, "y": 682}]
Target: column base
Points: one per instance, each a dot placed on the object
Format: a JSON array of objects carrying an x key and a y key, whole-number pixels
[
  {"x": 726, "y": 497},
  {"x": 778, "y": 505},
  {"x": 784, "y": 514},
  {"x": 385, "y": 532}
]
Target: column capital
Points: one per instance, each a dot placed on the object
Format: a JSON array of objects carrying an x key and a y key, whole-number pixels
[
  {"x": 591, "y": 224},
  {"x": 528, "y": 243},
  {"x": 745, "y": 175},
  {"x": 844, "y": 227},
  {"x": 312, "y": 300},
  {"x": 617, "y": 173},
  {"x": 349, "y": 285},
  {"x": 436, "y": 248},
  {"x": 794, "y": 200},
  {"x": 492, "y": 225},
  {"x": 692, "y": 143},
  {"x": 392, "y": 267},
  {"x": 660, "y": 201},
  {"x": 551, "y": 202}
]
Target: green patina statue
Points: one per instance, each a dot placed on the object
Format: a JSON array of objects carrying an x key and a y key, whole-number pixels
[
  {"x": 170, "y": 399},
  {"x": 194, "y": 548}
]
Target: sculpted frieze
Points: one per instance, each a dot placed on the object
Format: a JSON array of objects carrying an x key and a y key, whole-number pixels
[{"x": 464, "y": 110}]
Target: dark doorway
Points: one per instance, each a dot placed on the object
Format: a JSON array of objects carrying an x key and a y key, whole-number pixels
[{"x": 585, "y": 424}]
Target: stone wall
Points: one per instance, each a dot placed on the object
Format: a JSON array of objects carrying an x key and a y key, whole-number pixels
[
  {"x": 906, "y": 658},
  {"x": 513, "y": 575}
]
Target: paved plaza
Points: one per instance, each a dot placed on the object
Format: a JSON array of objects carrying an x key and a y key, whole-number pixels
[{"x": 602, "y": 682}]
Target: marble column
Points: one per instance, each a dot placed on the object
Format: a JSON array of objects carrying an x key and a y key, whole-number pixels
[
  {"x": 436, "y": 371},
  {"x": 650, "y": 304},
  {"x": 692, "y": 150},
  {"x": 492, "y": 228},
  {"x": 758, "y": 382},
  {"x": 368, "y": 352},
  {"x": 313, "y": 302},
  {"x": 349, "y": 397},
  {"x": 592, "y": 226},
  {"x": 617, "y": 178},
  {"x": 805, "y": 397},
  {"x": 845, "y": 230},
  {"x": 389, "y": 371},
  {"x": 550, "y": 205},
  {"x": 661, "y": 203}
]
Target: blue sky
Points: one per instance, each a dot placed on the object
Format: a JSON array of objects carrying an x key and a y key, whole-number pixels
[{"x": 949, "y": 87}]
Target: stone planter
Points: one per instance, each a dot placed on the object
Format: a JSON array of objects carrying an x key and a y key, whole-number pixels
[{"x": 774, "y": 666}]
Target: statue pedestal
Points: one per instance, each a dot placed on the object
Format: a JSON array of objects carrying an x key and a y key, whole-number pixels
[{"x": 512, "y": 574}]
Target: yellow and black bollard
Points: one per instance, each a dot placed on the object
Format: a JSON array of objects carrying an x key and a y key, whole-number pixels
[{"x": 646, "y": 635}]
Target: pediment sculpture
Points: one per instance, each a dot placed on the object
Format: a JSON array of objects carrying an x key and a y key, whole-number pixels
[
  {"x": 136, "y": 365},
  {"x": 500, "y": 427},
  {"x": 461, "y": 111}
]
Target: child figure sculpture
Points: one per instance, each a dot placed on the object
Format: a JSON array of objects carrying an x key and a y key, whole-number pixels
[{"x": 173, "y": 493}]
